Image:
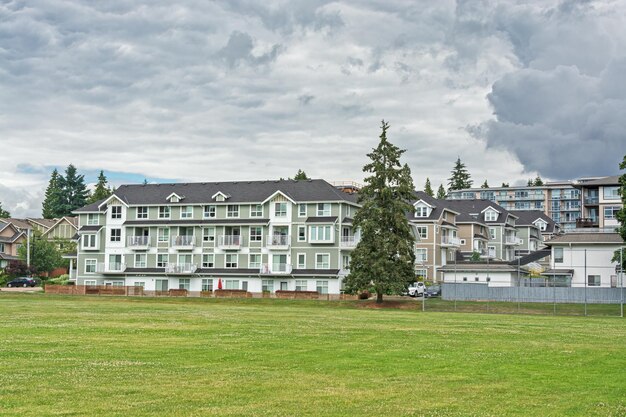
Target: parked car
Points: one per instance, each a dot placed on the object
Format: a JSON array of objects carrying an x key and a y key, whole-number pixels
[
  {"x": 416, "y": 289},
  {"x": 433, "y": 291},
  {"x": 22, "y": 282}
]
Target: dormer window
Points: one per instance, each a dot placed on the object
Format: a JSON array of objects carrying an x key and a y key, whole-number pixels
[
  {"x": 421, "y": 211},
  {"x": 491, "y": 216},
  {"x": 220, "y": 196},
  {"x": 541, "y": 225}
]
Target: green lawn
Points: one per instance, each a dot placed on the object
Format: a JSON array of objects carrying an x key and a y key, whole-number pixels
[{"x": 97, "y": 356}]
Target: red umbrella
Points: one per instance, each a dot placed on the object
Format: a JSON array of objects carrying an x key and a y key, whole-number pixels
[{"x": 219, "y": 284}]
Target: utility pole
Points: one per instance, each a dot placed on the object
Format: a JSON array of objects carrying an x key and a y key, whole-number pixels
[{"x": 28, "y": 247}]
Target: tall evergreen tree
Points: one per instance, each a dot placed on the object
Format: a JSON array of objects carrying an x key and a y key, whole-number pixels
[
  {"x": 75, "y": 191},
  {"x": 529, "y": 183},
  {"x": 538, "y": 182},
  {"x": 384, "y": 258},
  {"x": 101, "y": 191},
  {"x": 460, "y": 178},
  {"x": 505, "y": 185},
  {"x": 621, "y": 217},
  {"x": 301, "y": 175},
  {"x": 485, "y": 185},
  {"x": 52, "y": 206},
  {"x": 428, "y": 189},
  {"x": 441, "y": 192},
  {"x": 3, "y": 213}
]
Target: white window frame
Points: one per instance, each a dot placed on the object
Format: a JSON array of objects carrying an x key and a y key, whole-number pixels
[
  {"x": 141, "y": 264},
  {"x": 184, "y": 256},
  {"x": 90, "y": 283},
  {"x": 233, "y": 265},
  {"x": 420, "y": 229},
  {"x": 421, "y": 273},
  {"x": 185, "y": 212},
  {"x": 117, "y": 238},
  {"x": 314, "y": 235},
  {"x": 302, "y": 285},
  {"x": 142, "y": 212},
  {"x": 116, "y": 212},
  {"x": 159, "y": 263},
  {"x": 320, "y": 265},
  {"x": 253, "y": 265},
  {"x": 207, "y": 284},
  {"x": 421, "y": 255},
  {"x": 324, "y": 211},
  {"x": 256, "y": 210},
  {"x": 597, "y": 280},
  {"x": 87, "y": 238},
  {"x": 321, "y": 286},
  {"x": 232, "y": 283},
  {"x": 184, "y": 284},
  {"x": 267, "y": 285},
  {"x": 93, "y": 219},
  {"x": 94, "y": 263},
  {"x": 278, "y": 209},
  {"x": 558, "y": 259},
  {"x": 491, "y": 216},
  {"x": 303, "y": 237},
  {"x": 209, "y": 212},
  {"x": 301, "y": 212},
  {"x": 208, "y": 260},
  {"x": 257, "y": 238},
  {"x": 165, "y": 212},
  {"x": 492, "y": 233},
  {"x": 301, "y": 265},
  {"x": 207, "y": 236},
  {"x": 163, "y": 234},
  {"x": 232, "y": 211},
  {"x": 422, "y": 210}
]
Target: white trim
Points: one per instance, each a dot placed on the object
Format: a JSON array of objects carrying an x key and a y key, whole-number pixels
[
  {"x": 226, "y": 196},
  {"x": 168, "y": 198},
  {"x": 260, "y": 260},
  {"x": 298, "y": 260},
  {"x": 57, "y": 223},
  {"x": 94, "y": 268},
  {"x": 113, "y": 196},
  {"x": 490, "y": 208},
  {"x": 322, "y": 253},
  {"x": 274, "y": 195}
]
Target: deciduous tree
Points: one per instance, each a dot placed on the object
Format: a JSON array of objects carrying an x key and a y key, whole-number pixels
[
  {"x": 384, "y": 258},
  {"x": 3, "y": 213},
  {"x": 44, "y": 255},
  {"x": 621, "y": 217}
]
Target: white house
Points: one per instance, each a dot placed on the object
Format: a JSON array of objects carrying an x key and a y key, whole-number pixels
[{"x": 584, "y": 259}]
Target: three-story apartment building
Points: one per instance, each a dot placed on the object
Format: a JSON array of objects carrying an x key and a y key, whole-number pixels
[
  {"x": 601, "y": 202},
  {"x": 255, "y": 236}
]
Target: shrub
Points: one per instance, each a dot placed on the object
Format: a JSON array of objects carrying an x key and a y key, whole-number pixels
[
  {"x": 365, "y": 295},
  {"x": 60, "y": 280}
]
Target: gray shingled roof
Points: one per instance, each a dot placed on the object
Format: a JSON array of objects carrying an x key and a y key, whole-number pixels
[
  {"x": 612, "y": 180},
  {"x": 527, "y": 217},
  {"x": 435, "y": 214},
  {"x": 239, "y": 192},
  {"x": 587, "y": 238},
  {"x": 469, "y": 207}
]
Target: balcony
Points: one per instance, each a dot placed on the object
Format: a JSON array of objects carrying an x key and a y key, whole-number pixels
[
  {"x": 110, "y": 268},
  {"x": 586, "y": 222},
  {"x": 348, "y": 242},
  {"x": 181, "y": 269},
  {"x": 182, "y": 242},
  {"x": 450, "y": 241},
  {"x": 138, "y": 242},
  {"x": 278, "y": 241},
  {"x": 275, "y": 269},
  {"x": 230, "y": 242},
  {"x": 512, "y": 240}
]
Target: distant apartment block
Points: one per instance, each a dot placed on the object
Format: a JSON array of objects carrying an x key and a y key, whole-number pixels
[{"x": 601, "y": 202}]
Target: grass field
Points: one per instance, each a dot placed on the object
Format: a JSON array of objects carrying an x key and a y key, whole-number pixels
[{"x": 99, "y": 356}]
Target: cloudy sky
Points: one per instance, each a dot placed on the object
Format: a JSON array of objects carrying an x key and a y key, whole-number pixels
[{"x": 244, "y": 89}]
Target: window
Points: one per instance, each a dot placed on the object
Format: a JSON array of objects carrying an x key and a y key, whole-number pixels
[
  {"x": 320, "y": 234},
  {"x": 256, "y": 210},
  {"x": 140, "y": 260},
  {"x": 491, "y": 251},
  {"x": 610, "y": 212},
  {"x": 421, "y": 255},
  {"x": 209, "y": 212},
  {"x": 476, "y": 279},
  {"x": 322, "y": 261},
  {"x": 207, "y": 285},
  {"x": 348, "y": 211},
  {"x": 464, "y": 279},
  {"x": 185, "y": 260},
  {"x": 488, "y": 279},
  {"x": 421, "y": 273},
  {"x": 611, "y": 193},
  {"x": 593, "y": 280},
  {"x": 90, "y": 242},
  {"x": 2, "y": 248},
  {"x": 232, "y": 210},
  {"x": 115, "y": 262},
  {"x": 93, "y": 219},
  {"x": 142, "y": 212},
  {"x": 116, "y": 235},
  {"x": 163, "y": 234},
  {"x": 231, "y": 284},
  {"x": 422, "y": 232},
  {"x": 91, "y": 282},
  {"x": 345, "y": 262},
  {"x": 116, "y": 212},
  {"x": 491, "y": 216},
  {"x": 141, "y": 284},
  {"x": 231, "y": 260},
  {"x": 280, "y": 209},
  {"x": 164, "y": 212},
  {"x": 208, "y": 260},
  {"x": 208, "y": 234},
  {"x": 301, "y": 285},
  {"x": 184, "y": 283},
  {"x": 301, "y": 261},
  {"x": 267, "y": 285},
  {"x": 492, "y": 233},
  {"x": 301, "y": 210},
  {"x": 186, "y": 212},
  {"x": 323, "y": 209},
  {"x": 90, "y": 266},
  {"x": 421, "y": 211},
  {"x": 162, "y": 260},
  {"x": 463, "y": 242},
  {"x": 301, "y": 233},
  {"x": 254, "y": 261},
  {"x": 161, "y": 285},
  {"x": 558, "y": 255},
  {"x": 256, "y": 234},
  {"x": 322, "y": 287}
]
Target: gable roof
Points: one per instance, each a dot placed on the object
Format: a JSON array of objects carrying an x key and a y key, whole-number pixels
[
  {"x": 529, "y": 217},
  {"x": 587, "y": 238},
  {"x": 436, "y": 205},
  {"x": 47, "y": 223},
  {"x": 21, "y": 224},
  {"x": 471, "y": 209},
  {"x": 612, "y": 180},
  {"x": 239, "y": 191},
  {"x": 73, "y": 221}
]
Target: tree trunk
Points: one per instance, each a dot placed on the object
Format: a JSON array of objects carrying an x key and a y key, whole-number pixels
[{"x": 379, "y": 297}]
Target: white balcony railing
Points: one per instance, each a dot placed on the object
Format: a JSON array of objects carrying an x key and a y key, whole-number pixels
[
  {"x": 138, "y": 241},
  {"x": 184, "y": 241},
  {"x": 512, "y": 240},
  {"x": 230, "y": 241},
  {"x": 450, "y": 240},
  {"x": 111, "y": 267},
  {"x": 278, "y": 240},
  {"x": 349, "y": 241},
  {"x": 275, "y": 268},
  {"x": 181, "y": 268}
]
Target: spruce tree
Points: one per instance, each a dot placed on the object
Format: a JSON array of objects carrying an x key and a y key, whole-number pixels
[
  {"x": 300, "y": 175},
  {"x": 529, "y": 183},
  {"x": 428, "y": 189},
  {"x": 505, "y": 185},
  {"x": 441, "y": 192},
  {"x": 485, "y": 185},
  {"x": 53, "y": 201},
  {"x": 3, "y": 213},
  {"x": 75, "y": 191},
  {"x": 460, "y": 178},
  {"x": 101, "y": 191},
  {"x": 384, "y": 258},
  {"x": 538, "y": 182}
]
